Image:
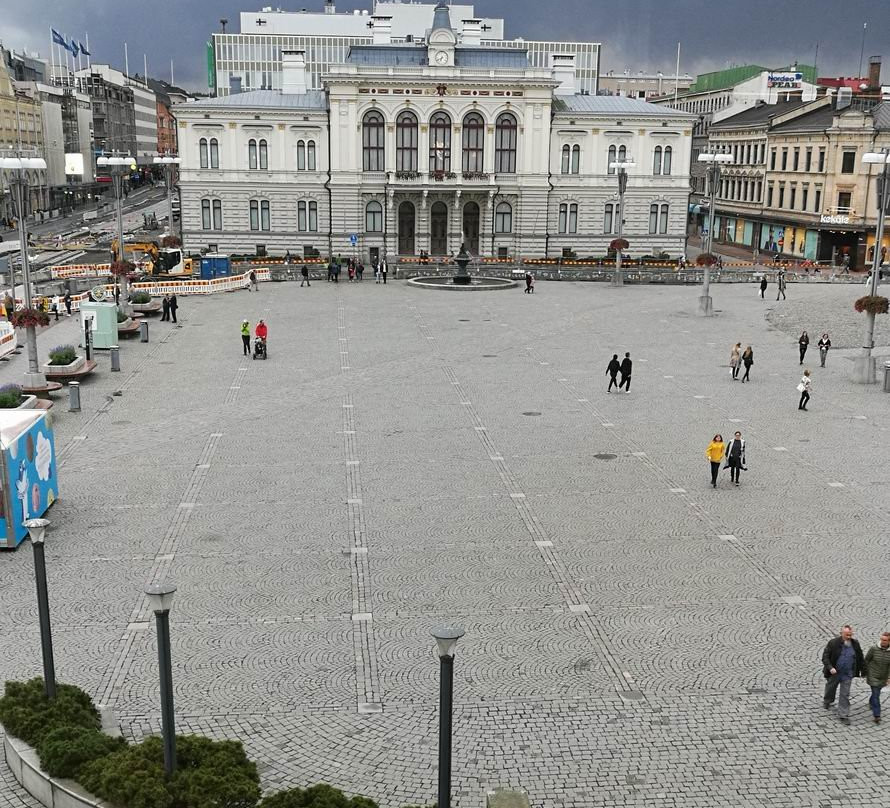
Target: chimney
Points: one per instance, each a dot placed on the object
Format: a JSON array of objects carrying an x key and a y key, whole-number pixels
[
  {"x": 564, "y": 73},
  {"x": 382, "y": 28},
  {"x": 874, "y": 72},
  {"x": 329, "y": 7},
  {"x": 844, "y": 98},
  {"x": 471, "y": 33},
  {"x": 293, "y": 72},
  {"x": 234, "y": 85}
]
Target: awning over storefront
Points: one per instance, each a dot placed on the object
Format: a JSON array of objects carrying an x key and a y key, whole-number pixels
[{"x": 695, "y": 208}]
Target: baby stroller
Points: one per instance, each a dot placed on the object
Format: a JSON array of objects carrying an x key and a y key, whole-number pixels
[{"x": 259, "y": 349}]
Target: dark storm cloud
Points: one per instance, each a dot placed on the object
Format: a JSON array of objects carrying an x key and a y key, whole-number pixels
[{"x": 636, "y": 34}]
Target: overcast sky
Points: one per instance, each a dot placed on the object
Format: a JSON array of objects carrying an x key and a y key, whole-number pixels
[{"x": 636, "y": 34}]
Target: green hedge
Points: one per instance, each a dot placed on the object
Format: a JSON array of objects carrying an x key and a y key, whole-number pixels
[
  {"x": 66, "y": 750},
  {"x": 26, "y": 713},
  {"x": 140, "y": 298},
  {"x": 319, "y": 796}
]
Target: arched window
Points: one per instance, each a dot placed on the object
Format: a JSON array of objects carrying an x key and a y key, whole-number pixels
[
  {"x": 610, "y": 218},
  {"x": 663, "y": 224},
  {"x": 611, "y": 159},
  {"x": 214, "y": 153},
  {"x": 301, "y": 155},
  {"x": 307, "y": 216},
  {"x": 251, "y": 154},
  {"x": 264, "y": 155},
  {"x": 568, "y": 217},
  {"x": 260, "y": 218},
  {"x": 211, "y": 214},
  {"x": 503, "y": 218},
  {"x": 566, "y": 156},
  {"x": 668, "y": 155},
  {"x": 658, "y": 218},
  {"x": 473, "y": 143},
  {"x": 505, "y": 133},
  {"x": 202, "y": 150},
  {"x": 440, "y": 143},
  {"x": 656, "y": 161},
  {"x": 576, "y": 159},
  {"x": 374, "y": 217},
  {"x": 406, "y": 142},
  {"x": 373, "y": 151},
  {"x": 310, "y": 155},
  {"x": 622, "y": 154},
  {"x": 205, "y": 214}
]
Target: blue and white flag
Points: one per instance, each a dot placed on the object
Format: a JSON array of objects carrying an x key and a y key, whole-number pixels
[
  {"x": 73, "y": 48},
  {"x": 58, "y": 39},
  {"x": 83, "y": 50}
]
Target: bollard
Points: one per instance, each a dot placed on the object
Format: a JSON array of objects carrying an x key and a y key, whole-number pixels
[
  {"x": 143, "y": 331},
  {"x": 115, "y": 359},
  {"x": 73, "y": 396}
]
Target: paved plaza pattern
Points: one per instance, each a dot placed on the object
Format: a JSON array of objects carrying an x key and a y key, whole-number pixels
[{"x": 407, "y": 458}]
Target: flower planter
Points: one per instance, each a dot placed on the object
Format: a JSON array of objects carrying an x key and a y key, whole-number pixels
[
  {"x": 63, "y": 370},
  {"x": 27, "y": 404}
]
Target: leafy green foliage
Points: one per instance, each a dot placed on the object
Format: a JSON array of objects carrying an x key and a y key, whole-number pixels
[
  {"x": 121, "y": 317},
  {"x": 132, "y": 777},
  {"x": 140, "y": 298},
  {"x": 62, "y": 355},
  {"x": 318, "y": 796},
  {"x": 65, "y": 750},
  {"x": 26, "y": 712},
  {"x": 10, "y": 396}
]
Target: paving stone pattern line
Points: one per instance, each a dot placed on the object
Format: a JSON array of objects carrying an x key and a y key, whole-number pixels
[
  {"x": 237, "y": 383},
  {"x": 557, "y": 570},
  {"x": 116, "y": 672},
  {"x": 369, "y": 694}
]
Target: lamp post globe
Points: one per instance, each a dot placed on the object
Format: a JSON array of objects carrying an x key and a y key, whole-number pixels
[
  {"x": 160, "y": 600},
  {"x": 446, "y": 642},
  {"x": 37, "y": 531}
]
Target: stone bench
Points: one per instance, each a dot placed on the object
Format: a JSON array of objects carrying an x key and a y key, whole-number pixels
[
  {"x": 129, "y": 328},
  {"x": 44, "y": 391},
  {"x": 76, "y": 375}
]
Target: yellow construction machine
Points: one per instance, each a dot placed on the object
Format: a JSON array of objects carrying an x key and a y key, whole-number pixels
[{"x": 155, "y": 260}]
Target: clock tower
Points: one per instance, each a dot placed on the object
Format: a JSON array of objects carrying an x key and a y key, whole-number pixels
[{"x": 441, "y": 39}]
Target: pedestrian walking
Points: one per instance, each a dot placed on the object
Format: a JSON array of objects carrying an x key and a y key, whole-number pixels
[
  {"x": 612, "y": 372},
  {"x": 384, "y": 270},
  {"x": 877, "y": 672},
  {"x": 67, "y": 301},
  {"x": 174, "y": 305},
  {"x": 304, "y": 272},
  {"x": 736, "y": 461},
  {"x": 287, "y": 258},
  {"x": 165, "y": 308},
  {"x": 245, "y": 336},
  {"x": 824, "y": 345},
  {"x": 532, "y": 290},
  {"x": 763, "y": 284},
  {"x": 781, "y": 285},
  {"x": 714, "y": 454},
  {"x": 804, "y": 387},
  {"x": 803, "y": 343},
  {"x": 56, "y": 305},
  {"x": 528, "y": 283},
  {"x": 747, "y": 361},
  {"x": 626, "y": 369},
  {"x": 330, "y": 270},
  {"x": 351, "y": 272},
  {"x": 735, "y": 359},
  {"x": 377, "y": 272},
  {"x": 359, "y": 271},
  {"x": 253, "y": 281},
  {"x": 842, "y": 662}
]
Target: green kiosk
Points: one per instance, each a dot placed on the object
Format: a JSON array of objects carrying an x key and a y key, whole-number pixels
[{"x": 102, "y": 320}]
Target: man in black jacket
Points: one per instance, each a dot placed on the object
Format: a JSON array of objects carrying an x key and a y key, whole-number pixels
[
  {"x": 612, "y": 370},
  {"x": 842, "y": 661},
  {"x": 626, "y": 369}
]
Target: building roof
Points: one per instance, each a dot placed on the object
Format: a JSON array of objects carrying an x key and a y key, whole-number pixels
[
  {"x": 417, "y": 55},
  {"x": 272, "y": 99},
  {"x": 616, "y": 105},
  {"x": 757, "y": 115},
  {"x": 495, "y": 58},
  {"x": 723, "y": 79},
  {"x": 441, "y": 17},
  {"x": 881, "y": 115},
  {"x": 814, "y": 121}
]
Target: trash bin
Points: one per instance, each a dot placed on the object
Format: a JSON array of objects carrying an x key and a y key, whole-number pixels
[{"x": 887, "y": 377}]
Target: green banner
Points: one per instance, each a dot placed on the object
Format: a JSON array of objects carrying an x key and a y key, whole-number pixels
[{"x": 211, "y": 66}]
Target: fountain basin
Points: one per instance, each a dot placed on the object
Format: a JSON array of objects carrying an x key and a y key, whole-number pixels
[{"x": 476, "y": 284}]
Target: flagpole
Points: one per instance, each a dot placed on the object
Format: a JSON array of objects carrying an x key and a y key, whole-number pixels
[
  {"x": 52, "y": 56},
  {"x": 172, "y": 83},
  {"x": 126, "y": 64},
  {"x": 677, "y": 74},
  {"x": 145, "y": 68},
  {"x": 89, "y": 52}
]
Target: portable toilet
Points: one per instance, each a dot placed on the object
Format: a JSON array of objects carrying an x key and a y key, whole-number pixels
[
  {"x": 214, "y": 265},
  {"x": 102, "y": 318}
]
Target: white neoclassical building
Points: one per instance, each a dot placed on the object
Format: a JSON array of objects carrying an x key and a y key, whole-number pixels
[{"x": 415, "y": 148}]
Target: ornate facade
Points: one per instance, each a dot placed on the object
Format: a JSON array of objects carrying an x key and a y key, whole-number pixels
[{"x": 415, "y": 148}]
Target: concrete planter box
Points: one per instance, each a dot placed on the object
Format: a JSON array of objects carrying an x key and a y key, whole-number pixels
[
  {"x": 27, "y": 403},
  {"x": 64, "y": 370},
  {"x": 49, "y": 791}
]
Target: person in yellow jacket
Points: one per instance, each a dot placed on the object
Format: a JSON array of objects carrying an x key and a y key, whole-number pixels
[
  {"x": 714, "y": 453},
  {"x": 245, "y": 336}
]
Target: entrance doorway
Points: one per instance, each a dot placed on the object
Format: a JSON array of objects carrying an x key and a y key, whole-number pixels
[
  {"x": 439, "y": 229},
  {"x": 471, "y": 228},
  {"x": 406, "y": 229}
]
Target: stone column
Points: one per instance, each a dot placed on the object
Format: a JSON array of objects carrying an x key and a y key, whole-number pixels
[
  {"x": 391, "y": 231},
  {"x": 456, "y": 225},
  {"x": 422, "y": 224}
]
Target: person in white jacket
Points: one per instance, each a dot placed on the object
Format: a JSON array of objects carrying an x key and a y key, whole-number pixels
[{"x": 806, "y": 384}]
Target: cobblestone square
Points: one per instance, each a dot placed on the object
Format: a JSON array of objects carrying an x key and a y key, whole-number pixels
[{"x": 406, "y": 458}]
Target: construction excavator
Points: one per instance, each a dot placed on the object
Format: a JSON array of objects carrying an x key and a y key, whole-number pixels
[{"x": 154, "y": 260}]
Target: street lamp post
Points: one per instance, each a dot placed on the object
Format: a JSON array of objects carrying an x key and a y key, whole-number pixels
[
  {"x": 170, "y": 163},
  {"x": 17, "y": 165},
  {"x": 714, "y": 163},
  {"x": 160, "y": 597},
  {"x": 118, "y": 165},
  {"x": 864, "y": 365},
  {"x": 620, "y": 167},
  {"x": 37, "y": 530},
  {"x": 446, "y": 641}
]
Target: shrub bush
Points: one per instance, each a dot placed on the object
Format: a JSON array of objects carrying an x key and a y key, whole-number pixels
[
  {"x": 874, "y": 304},
  {"x": 121, "y": 317},
  {"x": 209, "y": 774},
  {"x": 140, "y": 298},
  {"x": 29, "y": 318},
  {"x": 26, "y": 712},
  {"x": 62, "y": 355},
  {"x": 10, "y": 396},
  {"x": 65, "y": 750},
  {"x": 318, "y": 796}
]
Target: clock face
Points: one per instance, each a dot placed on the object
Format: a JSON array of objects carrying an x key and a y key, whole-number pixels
[{"x": 441, "y": 57}]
